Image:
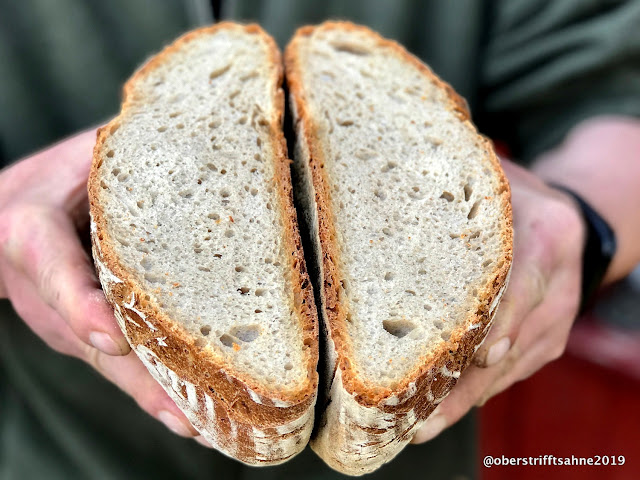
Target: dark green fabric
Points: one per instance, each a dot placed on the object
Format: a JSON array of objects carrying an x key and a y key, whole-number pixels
[{"x": 530, "y": 69}]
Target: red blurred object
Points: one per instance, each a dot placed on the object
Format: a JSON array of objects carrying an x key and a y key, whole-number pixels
[{"x": 584, "y": 404}]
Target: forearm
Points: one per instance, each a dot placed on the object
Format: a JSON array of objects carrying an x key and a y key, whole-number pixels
[{"x": 600, "y": 160}]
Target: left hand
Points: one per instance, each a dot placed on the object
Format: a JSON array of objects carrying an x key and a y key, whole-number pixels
[{"x": 537, "y": 311}]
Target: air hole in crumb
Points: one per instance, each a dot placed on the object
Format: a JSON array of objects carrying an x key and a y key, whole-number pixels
[
  {"x": 200, "y": 342},
  {"x": 260, "y": 292},
  {"x": 410, "y": 292},
  {"x": 389, "y": 166},
  {"x": 115, "y": 172},
  {"x": 180, "y": 126},
  {"x": 204, "y": 269},
  {"x": 140, "y": 203},
  {"x": 388, "y": 276},
  {"x": 397, "y": 327},
  {"x": 380, "y": 194},
  {"x": 110, "y": 153},
  {"x": 438, "y": 324},
  {"x": 219, "y": 71},
  {"x": 243, "y": 290},
  {"x": 212, "y": 167},
  {"x": 474, "y": 210},
  {"x": 162, "y": 129},
  {"x": 246, "y": 333},
  {"x": 224, "y": 193},
  {"x": 427, "y": 307},
  {"x": 422, "y": 271},
  {"x": 288, "y": 366},
  {"x": 186, "y": 193},
  {"x": 347, "y": 47},
  {"x": 254, "y": 191},
  {"x": 206, "y": 330},
  {"x": 467, "y": 192},
  {"x": 213, "y": 216},
  {"x": 257, "y": 310},
  {"x": 229, "y": 233},
  {"x": 227, "y": 340},
  {"x": 486, "y": 263},
  {"x": 446, "y": 335},
  {"x": 223, "y": 171},
  {"x": 448, "y": 196},
  {"x": 239, "y": 268}
]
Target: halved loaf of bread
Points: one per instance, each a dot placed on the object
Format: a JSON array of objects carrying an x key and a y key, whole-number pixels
[
  {"x": 196, "y": 242},
  {"x": 410, "y": 213}
]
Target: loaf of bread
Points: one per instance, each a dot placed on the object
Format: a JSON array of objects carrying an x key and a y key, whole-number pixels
[
  {"x": 196, "y": 242},
  {"x": 410, "y": 216}
]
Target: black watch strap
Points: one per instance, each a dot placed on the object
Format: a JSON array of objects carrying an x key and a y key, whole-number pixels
[{"x": 599, "y": 249}]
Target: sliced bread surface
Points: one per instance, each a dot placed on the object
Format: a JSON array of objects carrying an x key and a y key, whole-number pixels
[
  {"x": 411, "y": 216},
  {"x": 196, "y": 242}
]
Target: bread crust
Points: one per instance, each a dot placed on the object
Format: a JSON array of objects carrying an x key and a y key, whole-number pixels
[
  {"x": 364, "y": 425},
  {"x": 240, "y": 417}
]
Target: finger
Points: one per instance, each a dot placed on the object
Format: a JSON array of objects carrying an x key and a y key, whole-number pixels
[
  {"x": 200, "y": 439},
  {"x": 526, "y": 290},
  {"x": 543, "y": 336},
  {"x": 43, "y": 320},
  {"x": 128, "y": 373},
  {"x": 44, "y": 245},
  {"x": 460, "y": 400},
  {"x": 535, "y": 258}
]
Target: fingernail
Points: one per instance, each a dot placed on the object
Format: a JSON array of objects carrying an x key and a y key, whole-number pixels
[
  {"x": 173, "y": 423},
  {"x": 105, "y": 343},
  {"x": 498, "y": 350},
  {"x": 431, "y": 428},
  {"x": 200, "y": 439}
]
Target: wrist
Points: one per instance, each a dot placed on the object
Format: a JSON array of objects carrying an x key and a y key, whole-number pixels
[{"x": 598, "y": 247}]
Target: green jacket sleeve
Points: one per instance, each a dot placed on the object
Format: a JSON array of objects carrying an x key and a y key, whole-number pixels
[{"x": 549, "y": 65}]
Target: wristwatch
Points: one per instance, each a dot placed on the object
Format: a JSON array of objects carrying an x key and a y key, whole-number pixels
[{"x": 599, "y": 249}]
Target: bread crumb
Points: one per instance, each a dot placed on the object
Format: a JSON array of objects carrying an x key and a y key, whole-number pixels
[{"x": 236, "y": 347}]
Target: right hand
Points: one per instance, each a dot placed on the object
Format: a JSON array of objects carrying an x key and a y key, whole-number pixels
[{"x": 49, "y": 278}]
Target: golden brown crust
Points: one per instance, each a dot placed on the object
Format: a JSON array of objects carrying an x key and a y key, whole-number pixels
[
  {"x": 427, "y": 381},
  {"x": 238, "y": 399}
]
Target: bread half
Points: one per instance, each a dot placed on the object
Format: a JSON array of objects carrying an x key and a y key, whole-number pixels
[
  {"x": 411, "y": 216},
  {"x": 196, "y": 242}
]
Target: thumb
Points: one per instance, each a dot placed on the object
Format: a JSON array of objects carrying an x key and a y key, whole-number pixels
[{"x": 42, "y": 243}]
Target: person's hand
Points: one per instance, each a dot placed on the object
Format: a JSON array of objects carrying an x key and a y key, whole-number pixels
[
  {"x": 537, "y": 311},
  {"x": 49, "y": 278}
]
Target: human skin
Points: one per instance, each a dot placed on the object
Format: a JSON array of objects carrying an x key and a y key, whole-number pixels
[{"x": 47, "y": 275}]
